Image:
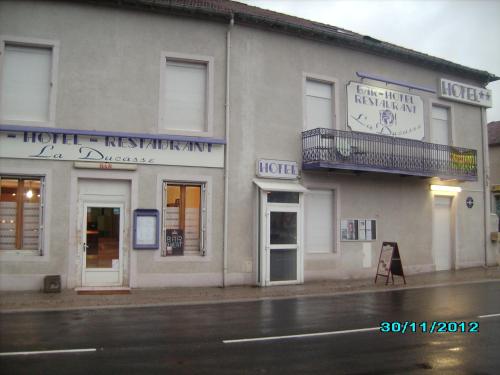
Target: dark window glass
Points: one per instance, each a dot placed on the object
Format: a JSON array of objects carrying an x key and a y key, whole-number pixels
[
  {"x": 283, "y": 264},
  {"x": 282, "y": 197},
  {"x": 283, "y": 228}
]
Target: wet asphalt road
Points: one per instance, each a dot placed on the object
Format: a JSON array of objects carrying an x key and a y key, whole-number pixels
[{"x": 189, "y": 339}]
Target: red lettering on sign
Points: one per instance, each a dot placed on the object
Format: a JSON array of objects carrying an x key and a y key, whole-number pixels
[{"x": 105, "y": 166}]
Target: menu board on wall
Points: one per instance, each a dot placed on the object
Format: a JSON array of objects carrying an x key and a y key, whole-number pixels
[
  {"x": 145, "y": 229},
  {"x": 358, "y": 230}
]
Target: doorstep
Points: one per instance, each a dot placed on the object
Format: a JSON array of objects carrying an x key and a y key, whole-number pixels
[{"x": 102, "y": 291}]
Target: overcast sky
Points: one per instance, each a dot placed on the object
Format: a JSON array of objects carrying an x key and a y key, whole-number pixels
[{"x": 463, "y": 31}]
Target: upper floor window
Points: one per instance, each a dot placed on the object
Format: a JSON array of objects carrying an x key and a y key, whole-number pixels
[
  {"x": 440, "y": 125},
  {"x": 27, "y": 91},
  {"x": 185, "y": 97},
  {"x": 21, "y": 213},
  {"x": 319, "y": 104}
]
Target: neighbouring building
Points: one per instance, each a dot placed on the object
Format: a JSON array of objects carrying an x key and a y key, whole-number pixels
[
  {"x": 494, "y": 152},
  {"x": 208, "y": 143}
]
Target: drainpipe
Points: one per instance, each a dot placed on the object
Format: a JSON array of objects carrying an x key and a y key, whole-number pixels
[
  {"x": 226, "y": 153},
  {"x": 486, "y": 183}
]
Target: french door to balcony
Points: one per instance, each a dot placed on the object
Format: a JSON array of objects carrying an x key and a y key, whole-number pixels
[{"x": 282, "y": 245}]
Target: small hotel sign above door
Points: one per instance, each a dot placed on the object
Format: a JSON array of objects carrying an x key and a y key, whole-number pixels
[
  {"x": 461, "y": 92},
  {"x": 277, "y": 169}
]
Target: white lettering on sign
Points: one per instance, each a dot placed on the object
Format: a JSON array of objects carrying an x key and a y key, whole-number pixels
[
  {"x": 106, "y": 150},
  {"x": 277, "y": 169},
  {"x": 461, "y": 92},
  {"x": 372, "y": 109}
]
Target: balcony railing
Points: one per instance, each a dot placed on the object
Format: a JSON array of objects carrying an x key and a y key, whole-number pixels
[{"x": 337, "y": 149}]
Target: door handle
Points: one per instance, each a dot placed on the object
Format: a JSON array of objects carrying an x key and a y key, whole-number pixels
[{"x": 85, "y": 247}]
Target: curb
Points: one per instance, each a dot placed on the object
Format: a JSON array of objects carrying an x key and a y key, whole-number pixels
[{"x": 241, "y": 300}]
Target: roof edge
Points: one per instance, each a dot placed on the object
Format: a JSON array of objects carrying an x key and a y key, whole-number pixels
[
  {"x": 366, "y": 43},
  {"x": 374, "y": 46}
]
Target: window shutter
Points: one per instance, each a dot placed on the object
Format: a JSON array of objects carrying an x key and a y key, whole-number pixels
[
  {"x": 203, "y": 220},
  {"x": 185, "y": 96},
  {"x": 319, "y": 109},
  {"x": 163, "y": 246},
  {"x": 440, "y": 125},
  {"x": 26, "y": 83},
  {"x": 41, "y": 217},
  {"x": 319, "y": 221}
]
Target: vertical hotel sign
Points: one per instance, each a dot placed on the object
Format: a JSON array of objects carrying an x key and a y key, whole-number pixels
[
  {"x": 372, "y": 109},
  {"x": 461, "y": 92}
]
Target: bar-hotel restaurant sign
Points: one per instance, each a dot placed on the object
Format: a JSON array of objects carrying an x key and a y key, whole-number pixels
[
  {"x": 377, "y": 110},
  {"x": 108, "y": 149},
  {"x": 277, "y": 169},
  {"x": 461, "y": 92}
]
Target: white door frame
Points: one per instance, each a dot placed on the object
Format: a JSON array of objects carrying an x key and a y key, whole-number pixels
[
  {"x": 450, "y": 231},
  {"x": 265, "y": 246},
  {"x": 83, "y": 226}
]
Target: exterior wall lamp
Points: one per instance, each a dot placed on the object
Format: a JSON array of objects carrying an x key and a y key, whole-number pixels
[{"x": 446, "y": 189}]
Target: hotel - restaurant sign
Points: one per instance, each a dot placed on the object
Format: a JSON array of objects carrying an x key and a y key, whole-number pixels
[
  {"x": 372, "y": 109},
  {"x": 461, "y": 92},
  {"x": 108, "y": 149}
]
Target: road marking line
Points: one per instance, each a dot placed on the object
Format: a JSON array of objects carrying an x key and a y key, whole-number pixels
[
  {"x": 299, "y": 336},
  {"x": 488, "y": 316},
  {"x": 49, "y": 352}
]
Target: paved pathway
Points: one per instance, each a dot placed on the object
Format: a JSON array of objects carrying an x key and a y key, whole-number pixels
[{"x": 69, "y": 299}]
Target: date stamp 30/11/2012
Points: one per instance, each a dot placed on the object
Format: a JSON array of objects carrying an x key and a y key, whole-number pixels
[{"x": 435, "y": 326}]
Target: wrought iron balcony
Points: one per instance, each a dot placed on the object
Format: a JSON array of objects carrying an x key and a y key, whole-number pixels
[{"x": 337, "y": 149}]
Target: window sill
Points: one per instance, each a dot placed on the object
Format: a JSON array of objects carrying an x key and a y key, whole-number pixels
[
  {"x": 185, "y": 133},
  {"x": 360, "y": 241},
  {"x": 318, "y": 255},
  {"x": 184, "y": 258},
  {"x": 41, "y": 124},
  {"x": 21, "y": 255}
]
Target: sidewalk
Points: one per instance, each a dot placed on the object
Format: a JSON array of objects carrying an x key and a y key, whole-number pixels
[{"x": 70, "y": 300}]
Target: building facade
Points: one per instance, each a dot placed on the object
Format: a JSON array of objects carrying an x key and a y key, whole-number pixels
[
  {"x": 494, "y": 152},
  {"x": 208, "y": 143}
]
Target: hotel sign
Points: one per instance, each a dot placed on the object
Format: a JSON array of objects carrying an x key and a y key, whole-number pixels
[
  {"x": 277, "y": 169},
  {"x": 372, "y": 109},
  {"x": 108, "y": 149},
  {"x": 461, "y": 92}
]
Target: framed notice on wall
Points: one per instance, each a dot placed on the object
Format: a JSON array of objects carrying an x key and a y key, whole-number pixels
[
  {"x": 146, "y": 229},
  {"x": 358, "y": 230}
]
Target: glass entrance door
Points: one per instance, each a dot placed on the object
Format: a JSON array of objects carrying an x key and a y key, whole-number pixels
[
  {"x": 102, "y": 244},
  {"x": 283, "y": 244}
]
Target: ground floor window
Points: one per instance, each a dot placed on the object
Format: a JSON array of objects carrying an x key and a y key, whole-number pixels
[
  {"x": 183, "y": 219},
  {"x": 21, "y": 213},
  {"x": 319, "y": 217},
  {"x": 497, "y": 208}
]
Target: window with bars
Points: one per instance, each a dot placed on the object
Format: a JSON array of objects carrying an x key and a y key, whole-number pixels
[
  {"x": 21, "y": 213},
  {"x": 183, "y": 219}
]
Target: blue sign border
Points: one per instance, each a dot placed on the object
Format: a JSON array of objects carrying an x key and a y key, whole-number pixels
[{"x": 151, "y": 213}]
